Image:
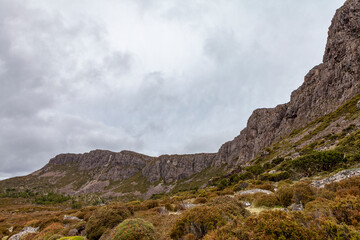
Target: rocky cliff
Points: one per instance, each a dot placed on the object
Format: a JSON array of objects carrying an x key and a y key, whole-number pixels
[{"x": 326, "y": 87}]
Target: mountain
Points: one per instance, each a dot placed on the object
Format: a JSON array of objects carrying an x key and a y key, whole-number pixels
[{"x": 324, "y": 105}]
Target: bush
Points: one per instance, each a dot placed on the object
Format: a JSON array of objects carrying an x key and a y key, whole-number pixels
[
  {"x": 275, "y": 177},
  {"x": 317, "y": 162},
  {"x": 255, "y": 169},
  {"x": 347, "y": 210},
  {"x": 266, "y": 200},
  {"x": 303, "y": 192},
  {"x": 230, "y": 207},
  {"x": 105, "y": 218},
  {"x": 134, "y": 229},
  {"x": 273, "y": 225},
  {"x": 197, "y": 221},
  {"x": 285, "y": 194},
  {"x": 51, "y": 198},
  {"x": 200, "y": 200},
  {"x": 148, "y": 204}
]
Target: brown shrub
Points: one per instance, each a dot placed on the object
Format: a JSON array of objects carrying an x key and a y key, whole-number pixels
[
  {"x": 285, "y": 195},
  {"x": 105, "y": 218},
  {"x": 230, "y": 207},
  {"x": 266, "y": 200},
  {"x": 347, "y": 210},
  {"x": 303, "y": 192},
  {"x": 197, "y": 221},
  {"x": 200, "y": 200}
]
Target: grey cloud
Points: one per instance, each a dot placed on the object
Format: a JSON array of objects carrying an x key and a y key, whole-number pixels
[{"x": 65, "y": 88}]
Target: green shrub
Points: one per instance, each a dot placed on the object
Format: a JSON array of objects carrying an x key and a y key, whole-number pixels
[
  {"x": 134, "y": 229},
  {"x": 105, "y": 218},
  {"x": 266, "y": 200},
  {"x": 246, "y": 176},
  {"x": 317, "y": 162},
  {"x": 275, "y": 177},
  {"x": 51, "y": 198},
  {"x": 255, "y": 169}
]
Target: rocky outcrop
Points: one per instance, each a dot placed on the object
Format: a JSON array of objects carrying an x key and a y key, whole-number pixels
[
  {"x": 177, "y": 167},
  {"x": 105, "y": 165},
  {"x": 342, "y": 175},
  {"x": 326, "y": 87}
]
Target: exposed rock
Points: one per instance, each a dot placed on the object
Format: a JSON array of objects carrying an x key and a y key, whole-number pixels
[
  {"x": 25, "y": 231},
  {"x": 73, "y": 232},
  {"x": 246, "y": 203},
  {"x": 253, "y": 191},
  {"x": 71, "y": 218},
  {"x": 296, "y": 207},
  {"x": 337, "y": 177}
]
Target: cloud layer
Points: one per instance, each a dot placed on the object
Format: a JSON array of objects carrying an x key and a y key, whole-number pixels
[{"x": 150, "y": 76}]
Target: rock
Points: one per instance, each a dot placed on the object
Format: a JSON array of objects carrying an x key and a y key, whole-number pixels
[
  {"x": 296, "y": 207},
  {"x": 253, "y": 191},
  {"x": 337, "y": 177},
  {"x": 358, "y": 104},
  {"x": 246, "y": 203},
  {"x": 23, "y": 232},
  {"x": 71, "y": 218},
  {"x": 73, "y": 232},
  {"x": 272, "y": 171}
]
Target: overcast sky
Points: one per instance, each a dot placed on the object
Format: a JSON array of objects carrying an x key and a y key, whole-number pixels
[{"x": 151, "y": 76}]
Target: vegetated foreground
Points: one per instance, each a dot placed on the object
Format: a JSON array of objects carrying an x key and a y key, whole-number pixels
[{"x": 243, "y": 209}]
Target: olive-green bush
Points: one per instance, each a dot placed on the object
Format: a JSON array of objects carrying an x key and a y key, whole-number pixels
[{"x": 134, "y": 229}]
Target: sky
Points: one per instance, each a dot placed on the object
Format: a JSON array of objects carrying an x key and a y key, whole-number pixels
[{"x": 151, "y": 76}]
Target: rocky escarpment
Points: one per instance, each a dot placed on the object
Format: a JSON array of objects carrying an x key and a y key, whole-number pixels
[
  {"x": 104, "y": 165},
  {"x": 326, "y": 87}
]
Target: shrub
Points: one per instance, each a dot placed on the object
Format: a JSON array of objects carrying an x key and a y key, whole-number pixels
[
  {"x": 275, "y": 177},
  {"x": 245, "y": 176},
  {"x": 347, "y": 210},
  {"x": 266, "y": 200},
  {"x": 273, "y": 225},
  {"x": 255, "y": 169},
  {"x": 241, "y": 186},
  {"x": 200, "y": 200},
  {"x": 51, "y": 198},
  {"x": 105, "y": 218},
  {"x": 317, "y": 162},
  {"x": 134, "y": 229},
  {"x": 198, "y": 221},
  {"x": 230, "y": 207},
  {"x": 285, "y": 194},
  {"x": 303, "y": 192},
  {"x": 148, "y": 204}
]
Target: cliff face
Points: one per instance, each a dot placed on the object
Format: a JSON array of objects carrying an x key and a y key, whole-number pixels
[
  {"x": 105, "y": 165},
  {"x": 326, "y": 87}
]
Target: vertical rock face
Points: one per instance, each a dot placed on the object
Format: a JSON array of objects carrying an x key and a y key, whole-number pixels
[{"x": 326, "y": 87}]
